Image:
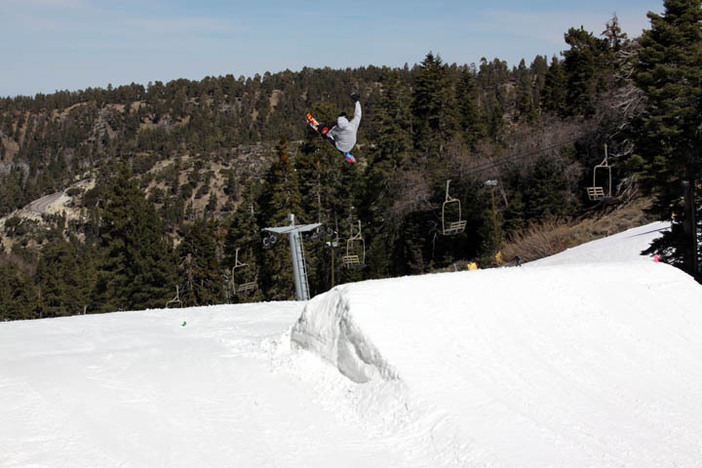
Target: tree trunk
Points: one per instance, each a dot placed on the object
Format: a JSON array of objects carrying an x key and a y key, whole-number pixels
[{"x": 690, "y": 227}]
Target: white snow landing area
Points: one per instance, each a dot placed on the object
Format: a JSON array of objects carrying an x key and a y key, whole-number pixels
[{"x": 591, "y": 358}]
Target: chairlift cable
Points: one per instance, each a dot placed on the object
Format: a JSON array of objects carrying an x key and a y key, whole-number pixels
[{"x": 517, "y": 157}]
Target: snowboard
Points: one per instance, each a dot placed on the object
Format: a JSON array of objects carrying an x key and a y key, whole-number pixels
[{"x": 314, "y": 123}]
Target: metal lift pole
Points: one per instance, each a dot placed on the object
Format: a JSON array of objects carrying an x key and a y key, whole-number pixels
[
  {"x": 302, "y": 292},
  {"x": 302, "y": 289}
]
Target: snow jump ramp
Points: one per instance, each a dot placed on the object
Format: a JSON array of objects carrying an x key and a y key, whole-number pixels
[{"x": 574, "y": 365}]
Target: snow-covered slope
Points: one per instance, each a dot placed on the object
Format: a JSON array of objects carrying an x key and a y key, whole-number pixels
[
  {"x": 623, "y": 247},
  {"x": 590, "y": 358},
  {"x": 584, "y": 365}
]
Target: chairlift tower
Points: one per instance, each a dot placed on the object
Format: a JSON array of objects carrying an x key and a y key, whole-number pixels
[{"x": 302, "y": 289}]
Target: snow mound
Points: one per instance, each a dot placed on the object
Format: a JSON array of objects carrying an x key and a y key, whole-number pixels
[
  {"x": 596, "y": 364},
  {"x": 328, "y": 329}
]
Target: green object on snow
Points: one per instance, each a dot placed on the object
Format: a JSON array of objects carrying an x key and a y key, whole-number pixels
[{"x": 184, "y": 324}]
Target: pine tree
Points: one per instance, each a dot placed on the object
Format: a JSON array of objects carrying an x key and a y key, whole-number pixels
[
  {"x": 545, "y": 195},
  {"x": 524, "y": 106},
  {"x": 281, "y": 197},
  {"x": 393, "y": 153},
  {"x": 393, "y": 121},
  {"x": 242, "y": 250},
  {"x": 616, "y": 38},
  {"x": 433, "y": 107},
  {"x": 136, "y": 266},
  {"x": 64, "y": 276},
  {"x": 18, "y": 295},
  {"x": 514, "y": 217},
  {"x": 282, "y": 193},
  {"x": 493, "y": 80},
  {"x": 471, "y": 125},
  {"x": 553, "y": 96},
  {"x": 538, "y": 69},
  {"x": 579, "y": 67},
  {"x": 199, "y": 272},
  {"x": 669, "y": 72}
]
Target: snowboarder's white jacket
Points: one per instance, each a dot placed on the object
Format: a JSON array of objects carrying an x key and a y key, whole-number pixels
[{"x": 344, "y": 132}]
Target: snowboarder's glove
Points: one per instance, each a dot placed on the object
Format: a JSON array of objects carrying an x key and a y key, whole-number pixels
[{"x": 355, "y": 97}]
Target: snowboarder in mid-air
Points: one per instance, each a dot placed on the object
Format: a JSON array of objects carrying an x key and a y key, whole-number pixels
[{"x": 342, "y": 134}]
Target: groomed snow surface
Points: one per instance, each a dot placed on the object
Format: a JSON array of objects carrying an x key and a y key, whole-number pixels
[{"x": 590, "y": 358}]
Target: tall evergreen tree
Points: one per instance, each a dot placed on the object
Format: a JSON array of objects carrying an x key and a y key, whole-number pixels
[
  {"x": 393, "y": 153},
  {"x": 470, "y": 122},
  {"x": 433, "y": 107},
  {"x": 136, "y": 267},
  {"x": 545, "y": 195},
  {"x": 18, "y": 295},
  {"x": 580, "y": 67},
  {"x": 199, "y": 272},
  {"x": 539, "y": 70},
  {"x": 493, "y": 80},
  {"x": 669, "y": 72},
  {"x": 393, "y": 122},
  {"x": 524, "y": 85},
  {"x": 616, "y": 38},
  {"x": 64, "y": 276},
  {"x": 281, "y": 197},
  {"x": 242, "y": 250}
]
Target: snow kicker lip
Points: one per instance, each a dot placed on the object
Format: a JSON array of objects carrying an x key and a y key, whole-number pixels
[{"x": 328, "y": 329}]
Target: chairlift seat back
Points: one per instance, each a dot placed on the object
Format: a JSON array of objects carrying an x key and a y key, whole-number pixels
[
  {"x": 246, "y": 287},
  {"x": 455, "y": 227},
  {"x": 595, "y": 193},
  {"x": 348, "y": 260}
]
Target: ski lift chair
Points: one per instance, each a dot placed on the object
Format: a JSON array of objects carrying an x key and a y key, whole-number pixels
[
  {"x": 451, "y": 225},
  {"x": 355, "y": 250},
  {"x": 598, "y": 192},
  {"x": 175, "y": 302},
  {"x": 244, "y": 287}
]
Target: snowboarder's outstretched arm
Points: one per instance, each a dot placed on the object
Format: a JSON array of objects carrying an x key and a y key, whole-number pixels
[{"x": 344, "y": 124}]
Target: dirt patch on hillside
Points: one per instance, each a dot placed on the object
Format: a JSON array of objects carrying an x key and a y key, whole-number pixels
[{"x": 552, "y": 237}]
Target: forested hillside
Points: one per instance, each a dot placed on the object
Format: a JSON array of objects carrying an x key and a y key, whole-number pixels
[{"x": 169, "y": 185}]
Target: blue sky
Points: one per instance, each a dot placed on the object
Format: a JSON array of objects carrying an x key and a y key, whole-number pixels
[{"x": 50, "y": 45}]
